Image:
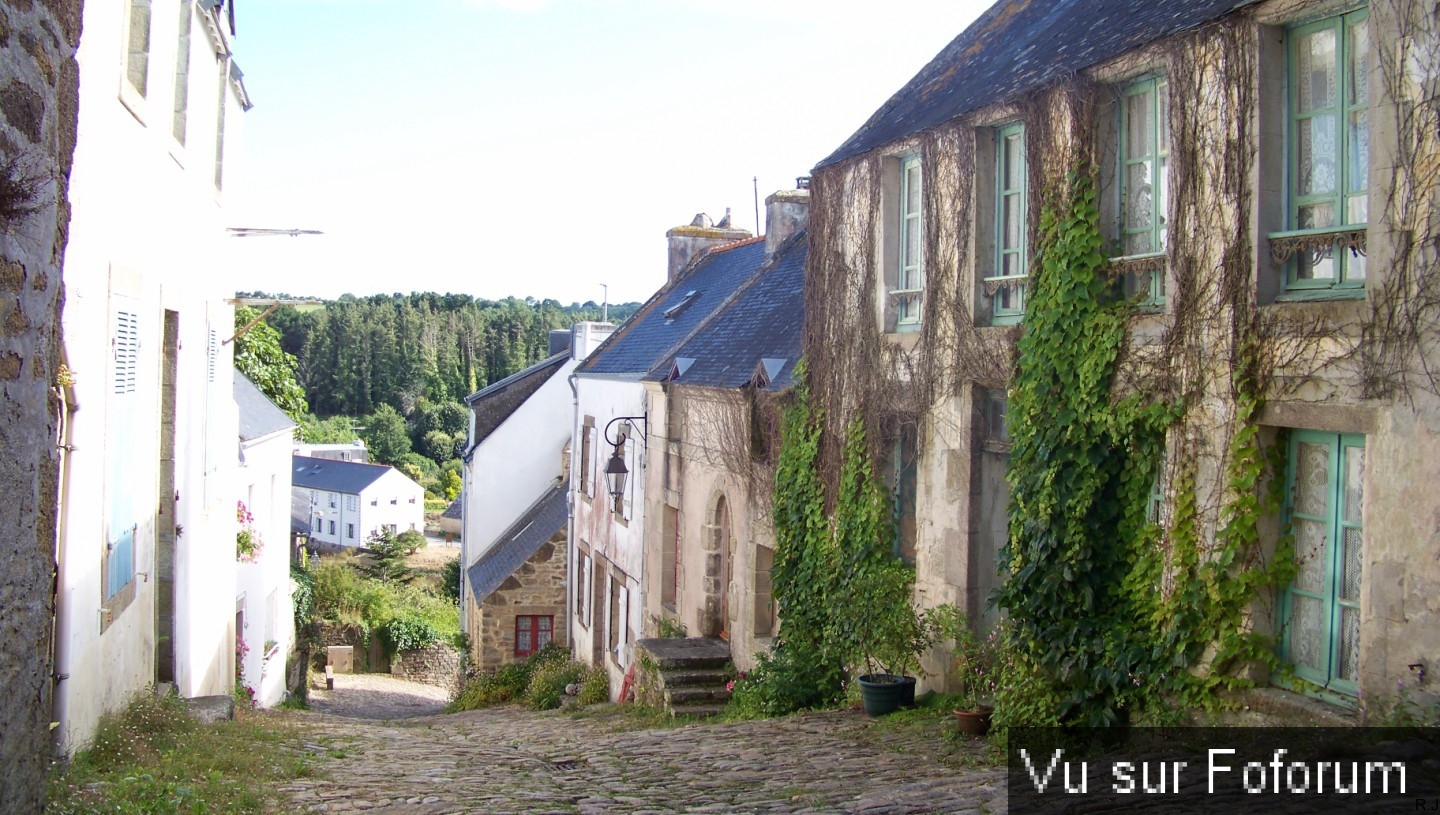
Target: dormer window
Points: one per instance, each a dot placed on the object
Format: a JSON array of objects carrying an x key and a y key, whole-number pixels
[{"x": 679, "y": 308}]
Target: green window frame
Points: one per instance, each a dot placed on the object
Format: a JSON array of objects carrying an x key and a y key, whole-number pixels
[
  {"x": 1144, "y": 169},
  {"x": 1324, "y": 506},
  {"x": 1006, "y": 286},
  {"x": 910, "y": 274},
  {"x": 1155, "y": 501},
  {"x": 1328, "y": 163},
  {"x": 901, "y": 474}
]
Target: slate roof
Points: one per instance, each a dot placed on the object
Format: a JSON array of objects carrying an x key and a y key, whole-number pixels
[
  {"x": 760, "y": 330},
  {"x": 456, "y": 510},
  {"x": 347, "y": 477},
  {"x": 494, "y": 403},
  {"x": 1018, "y": 46},
  {"x": 666, "y": 320},
  {"x": 548, "y": 515},
  {"x": 259, "y": 417}
]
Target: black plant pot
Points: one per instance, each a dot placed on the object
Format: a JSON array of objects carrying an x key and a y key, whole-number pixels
[
  {"x": 907, "y": 696},
  {"x": 882, "y": 693}
]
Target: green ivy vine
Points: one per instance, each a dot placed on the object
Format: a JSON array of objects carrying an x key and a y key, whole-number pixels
[
  {"x": 1097, "y": 632},
  {"x": 844, "y": 597}
]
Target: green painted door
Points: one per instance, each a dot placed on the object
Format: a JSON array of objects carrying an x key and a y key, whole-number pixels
[{"x": 1325, "y": 480}]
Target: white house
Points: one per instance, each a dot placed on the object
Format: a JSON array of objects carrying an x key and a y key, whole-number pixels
[
  {"x": 264, "y": 610},
  {"x": 519, "y": 433},
  {"x": 354, "y": 451},
  {"x": 343, "y": 503},
  {"x": 147, "y": 492}
]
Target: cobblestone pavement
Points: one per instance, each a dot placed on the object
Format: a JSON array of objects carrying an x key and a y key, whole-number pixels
[
  {"x": 378, "y": 696},
  {"x": 511, "y": 760}
]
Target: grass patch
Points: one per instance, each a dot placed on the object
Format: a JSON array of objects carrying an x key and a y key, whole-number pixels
[
  {"x": 154, "y": 757},
  {"x": 403, "y": 612}
]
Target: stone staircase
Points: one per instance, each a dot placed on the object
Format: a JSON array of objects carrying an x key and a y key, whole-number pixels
[{"x": 684, "y": 677}]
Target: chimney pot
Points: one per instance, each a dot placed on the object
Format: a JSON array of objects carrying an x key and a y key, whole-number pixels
[
  {"x": 689, "y": 242},
  {"x": 787, "y": 212}
]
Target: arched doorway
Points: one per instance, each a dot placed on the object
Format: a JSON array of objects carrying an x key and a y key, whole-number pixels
[{"x": 719, "y": 569}]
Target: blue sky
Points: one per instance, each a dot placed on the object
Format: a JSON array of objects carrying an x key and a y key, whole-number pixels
[{"x": 541, "y": 147}]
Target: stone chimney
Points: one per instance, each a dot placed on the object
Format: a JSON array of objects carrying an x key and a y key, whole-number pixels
[
  {"x": 687, "y": 242},
  {"x": 786, "y": 213}
]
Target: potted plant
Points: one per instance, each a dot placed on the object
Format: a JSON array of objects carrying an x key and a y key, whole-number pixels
[
  {"x": 889, "y": 634},
  {"x": 974, "y": 673}
]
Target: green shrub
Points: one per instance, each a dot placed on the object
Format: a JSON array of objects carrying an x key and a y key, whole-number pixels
[
  {"x": 595, "y": 687},
  {"x": 409, "y": 632},
  {"x": 506, "y": 684},
  {"x": 547, "y": 684}
]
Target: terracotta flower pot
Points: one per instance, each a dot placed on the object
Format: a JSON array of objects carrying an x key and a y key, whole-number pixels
[{"x": 974, "y": 722}]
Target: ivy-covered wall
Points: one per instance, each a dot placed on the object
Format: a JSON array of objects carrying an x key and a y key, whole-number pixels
[{"x": 1207, "y": 391}]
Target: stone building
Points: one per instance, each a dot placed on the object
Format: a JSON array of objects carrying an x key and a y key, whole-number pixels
[
  {"x": 1266, "y": 177},
  {"x": 709, "y": 540},
  {"x": 515, "y": 592},
  {"x": 38, "y": 106},
  {"x": 614, "y": 424}
]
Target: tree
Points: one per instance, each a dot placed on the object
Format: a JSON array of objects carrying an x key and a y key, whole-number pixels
[
  {"x": 385, "y": 435},
  {"x": 387, "y": 558},
  {"x": 260, "y": 358},
  {"x": 439, "y": 446},
  {"x": 452, "y": 485},
  {"x": 334, "y": 430},
  {"x": 411, "y": 541}
]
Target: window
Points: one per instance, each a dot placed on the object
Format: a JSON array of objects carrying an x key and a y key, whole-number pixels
[
  {"x": 900, "y": 475},
  {"x": 994, "y": 411},
  {"x": 619, "y": 618},
  {"x": 669, "y": 555},
  {"x": 314, "y": 498},
  {"x": 1007, "y": 286},
  {"x": 317, "y": 524},
  {"x": 766, "y": 610},
  {"x": 135, "y": 85},
  {"x": 330, "y": 525},
  {"x": 182, "y": 75},
  {"x": 587, "y": 443},
  {"x": 350, "y": 531},
  {"x": 222, "y": 97},
  {"x": 333, "y": 498},
  {"x": 1155, "y": 503},
  {"x": 1144, "y": 186},
  {"x": 585, "y": 589},
  {"x": 532, "y": 632},
  {"x": 909, "y": 291},
  {"x": 1325, "y": 497},
  {"x": 352, "y": 503},
  {"x": 123, "y": 412},
  {"x": 391, "y": 528},
  {"x": 1329, "y": 161}
]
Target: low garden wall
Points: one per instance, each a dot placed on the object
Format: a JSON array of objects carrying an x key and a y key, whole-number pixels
[{"x": 437, "y": 664}]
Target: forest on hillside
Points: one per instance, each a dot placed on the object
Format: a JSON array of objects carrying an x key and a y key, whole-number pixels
[
  {"x": 355, "y": 354},
  {"x": 393, "y": 369}
]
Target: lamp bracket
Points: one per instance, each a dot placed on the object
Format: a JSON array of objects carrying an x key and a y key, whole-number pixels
[{"x": 630, "y": 420}]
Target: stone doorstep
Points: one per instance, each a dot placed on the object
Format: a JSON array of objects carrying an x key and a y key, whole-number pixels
[
  {"x": 691, "y": 695},
  {"x": 698, "y": 711},
  {"x": 687, "y": 654},
  {"x": 706, "y": 676}
]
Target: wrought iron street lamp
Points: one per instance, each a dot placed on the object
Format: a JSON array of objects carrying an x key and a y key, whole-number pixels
[{"x": 615, "y": 470}]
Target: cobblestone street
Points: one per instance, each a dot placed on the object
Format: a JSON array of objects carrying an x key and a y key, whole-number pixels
[{"x": 511, "y": 760}]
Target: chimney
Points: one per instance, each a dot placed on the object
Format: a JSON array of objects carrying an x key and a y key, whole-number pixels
[
  {"x": 786, "y": 213},
  {"x": 687, "y": 242}
]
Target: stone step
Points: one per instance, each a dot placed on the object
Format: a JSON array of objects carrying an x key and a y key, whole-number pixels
[
  {"x": 698, "y": 711},
  {"x": 677, "y": 697},
  {"x": 705, "y": 676},
  {"x": 695, "y": 653}
]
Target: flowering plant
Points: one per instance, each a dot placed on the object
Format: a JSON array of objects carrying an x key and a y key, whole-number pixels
[
  {"x": 975, "y": 665},
  {"x": 247, "y": 540}
]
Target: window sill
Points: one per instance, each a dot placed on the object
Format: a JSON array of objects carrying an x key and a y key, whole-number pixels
[
  {"x": 1006, "y": 319},
  {"x": 1310, "y": 295},
  {"x": 1147, "y": 309}
]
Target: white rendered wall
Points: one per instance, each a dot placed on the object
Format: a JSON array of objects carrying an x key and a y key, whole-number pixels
[
  {"x": 265, "y": 489},
  {"x": 147, "y": 223}
]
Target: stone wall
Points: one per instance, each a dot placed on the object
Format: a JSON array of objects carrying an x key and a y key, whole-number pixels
[
  {"x": 537, "y": 587},
  {"x": 39, "y": 97},
  {"x": 437, "y": 665}
]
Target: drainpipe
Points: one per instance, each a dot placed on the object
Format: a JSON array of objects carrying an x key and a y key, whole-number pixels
[
  {"x": 571, "y": 613},
  {"x": 60, "y": 625}
]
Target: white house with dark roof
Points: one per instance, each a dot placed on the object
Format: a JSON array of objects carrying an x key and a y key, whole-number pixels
[
  {"x": 343, "y": 503},
  {"x": 515, "y": 460},
  {"x": 264, "y": 612}
]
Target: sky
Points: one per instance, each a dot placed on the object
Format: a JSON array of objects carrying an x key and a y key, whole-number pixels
[{"x": 541, "y": 148}]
